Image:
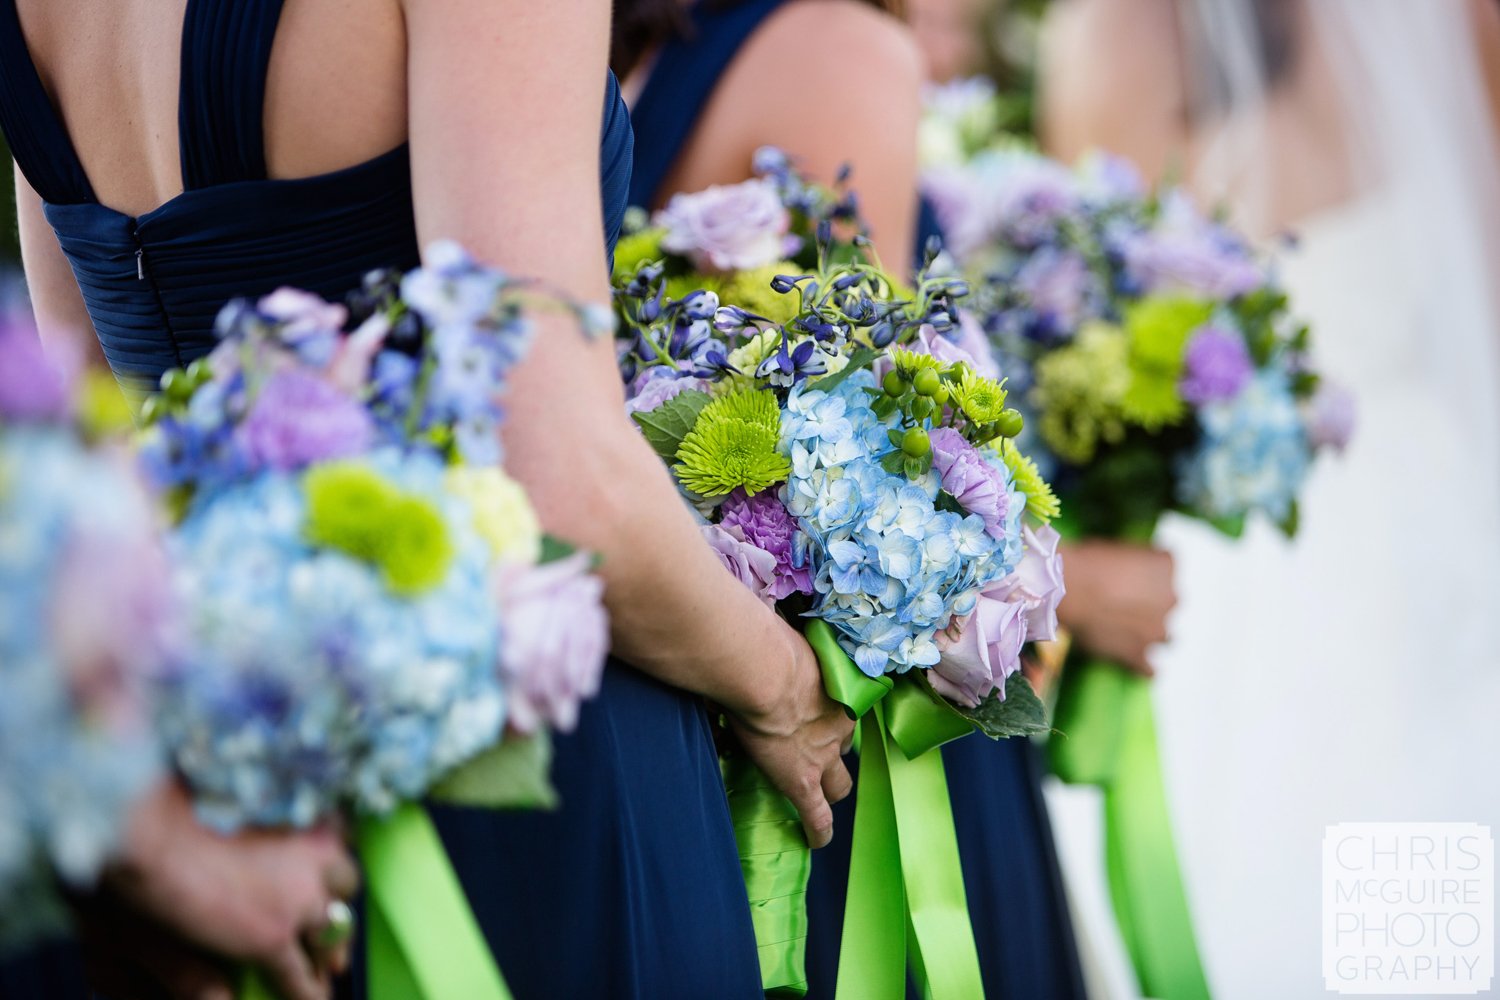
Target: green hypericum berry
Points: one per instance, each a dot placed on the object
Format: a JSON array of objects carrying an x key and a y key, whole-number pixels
[
  {"x": 1011, "y": 422},
  {"x": 198, "y": 372},
  {"x": 927, "y": 382},
  {"x": 941, "y": 397},
  {"x": 893, "y": 383},
  {"x": 153, "y": 409},
  {"x": 915, "y": 443},
  {"x": 177, "y": 385}
]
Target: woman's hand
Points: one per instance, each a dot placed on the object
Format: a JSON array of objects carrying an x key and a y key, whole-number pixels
[
  {"x": 256, "y": 897},
  {"x": 798, "y": 739},
  {"x": 1119, "y": 596}
]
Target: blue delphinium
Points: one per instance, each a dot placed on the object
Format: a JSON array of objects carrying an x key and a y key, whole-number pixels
[
  {"x": 1253, "y": 455},
  {"x": 890, "y": 566},
  {"x": 314, "y": 685}
]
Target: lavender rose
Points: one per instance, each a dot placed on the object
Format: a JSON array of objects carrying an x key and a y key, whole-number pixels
[
  {"x": 752, "y": 566},
  {"x": 1330, "y": 417},
  {"x": 653, "y": 390},
  {"x": 987, "y": 652},
  {"x": 977, "y": 485},
  {"x": 762, "y": 520},
  {"x": 733, "y": 228},
  {"x": 1218, "y": 366},
  {"x": 1187, "y": 252},
  {"x": 556, "y": 636},
  {"x": 1037, "y": 584},
  {"x": 31, "y": 386},
  {"x": 299, "y": 419}
]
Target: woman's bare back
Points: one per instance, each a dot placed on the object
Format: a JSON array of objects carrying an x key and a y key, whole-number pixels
[{"x": 335, "y": 90}]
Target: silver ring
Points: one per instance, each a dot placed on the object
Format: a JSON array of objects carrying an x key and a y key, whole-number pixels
[{"x": 338, "y": 928}]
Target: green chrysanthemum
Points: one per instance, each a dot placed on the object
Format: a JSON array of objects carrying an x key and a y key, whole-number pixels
[
  {"x": 635, "y": 249},
  {"x": 1159, "y": 329},
  {"x": 733, "y": 444},
  {"x": 679, "y": 287},
  {"x": 416, "y": 550},
  {"x": 1041, "y": 502},
  {"x": 751, "y": 290},
  {"x": 353, "y": 509},
  {"x": 981, "y": 399},
  {"x": 347, "y": 504},
  {"x": 1080, "y": 391}
]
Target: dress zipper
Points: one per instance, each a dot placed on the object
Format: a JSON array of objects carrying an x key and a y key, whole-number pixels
[{"x": 140, "y": 265}]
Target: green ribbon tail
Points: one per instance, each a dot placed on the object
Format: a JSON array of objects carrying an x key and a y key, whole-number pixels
[
  {"x": 872, "y": 949},
  {"x": 776, "y": 862},
  {"x": 1108, "y": 738},
  {"x": 944, "y": 954},
  {"x": 422, "y": 939},
  {"x": 903, "y": 822}
]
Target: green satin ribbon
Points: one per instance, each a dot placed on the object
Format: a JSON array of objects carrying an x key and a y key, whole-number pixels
[
  {"x": 422, "y": 939},
  {"x": 903, "y": 823},
  {"x": 906, "y": 889},
  {"x": 1109, "y": 740}
]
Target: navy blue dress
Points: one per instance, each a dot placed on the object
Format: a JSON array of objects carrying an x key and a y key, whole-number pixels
[
  {"x": 633, "y": 888},
  {"x": 1011, "y": 874}
]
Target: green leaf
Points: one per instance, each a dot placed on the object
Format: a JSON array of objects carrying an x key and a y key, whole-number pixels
[
  {"x": 895, "y": 437},
  {"x": 515, "y": 774},
  {"x": 1021, "y": 713},
  {"x": 555, "y": 550},
  {"x": 1231, "y": 527},
  {"x": 893, "y": 463},
  {"x": 862, "y": 358},
  {"x": 945, "y": 501},
  {"x": 666, "y": 426},
  {"x": 1292, "y": 522}
]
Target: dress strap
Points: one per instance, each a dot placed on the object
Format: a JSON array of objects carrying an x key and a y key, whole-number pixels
[
  {"x": 681, "y": 82},
  {"x": 226, "y": 52},
  {"x": 38, "y": 140}
]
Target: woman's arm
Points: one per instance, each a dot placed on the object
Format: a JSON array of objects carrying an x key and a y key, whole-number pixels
[
  {"x": 60, "y": 315},
  {"x": 505, "y": 99},
  {"x": 860, "y": 109}
]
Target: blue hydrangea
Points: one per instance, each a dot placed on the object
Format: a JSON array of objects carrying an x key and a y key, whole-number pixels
[
  {"x": 890, "y": 567},
  {"x": 1253, "y": 456},
  {"x": 71, "y": 765},
  {"x": 311, "y": 685}
]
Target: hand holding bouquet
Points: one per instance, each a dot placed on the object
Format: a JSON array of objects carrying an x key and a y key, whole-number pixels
[{"x": 372, "y": 613}]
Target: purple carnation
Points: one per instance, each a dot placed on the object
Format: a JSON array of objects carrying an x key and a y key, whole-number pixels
[
  {"x": 762, "y": 520},
  {"x": 31, "y": 386},
  {"x": 977, "y": 485},
  {"x": 1218, "y": 366},
  {"x": 298, "y": 419}
]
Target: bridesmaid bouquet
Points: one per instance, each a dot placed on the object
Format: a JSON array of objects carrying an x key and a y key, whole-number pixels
[
  {"x": 372, "y": 613},
  {"x": 83, "y": 618},
  {"x": 1162, "y": 371},
  {"x": 1152, "y": 347},
  {"x": 855, "y": 468}
]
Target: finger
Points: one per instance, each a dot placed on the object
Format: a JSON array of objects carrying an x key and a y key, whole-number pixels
[
  {"x": 847, "y": 744},
  {"x": 341, "y": 876},
  {"x": 817, "y": 818},
  {"x": 292, "y": 974},
  {"x": 836, "y": 783}
]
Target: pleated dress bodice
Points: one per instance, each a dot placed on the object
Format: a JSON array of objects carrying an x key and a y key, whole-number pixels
[{"x": 153, "y": 283}]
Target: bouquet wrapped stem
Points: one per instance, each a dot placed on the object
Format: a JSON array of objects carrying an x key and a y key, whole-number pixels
[{"x": 903, "y": 823}]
